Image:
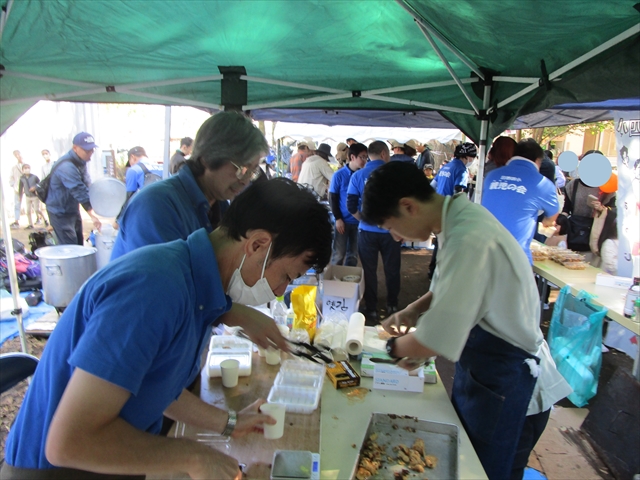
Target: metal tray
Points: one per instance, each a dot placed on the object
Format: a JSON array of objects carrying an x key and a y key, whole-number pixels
[{"x": 440, "y": 439}]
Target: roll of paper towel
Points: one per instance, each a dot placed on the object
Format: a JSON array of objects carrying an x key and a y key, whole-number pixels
[{"x": 355, "y": 334}]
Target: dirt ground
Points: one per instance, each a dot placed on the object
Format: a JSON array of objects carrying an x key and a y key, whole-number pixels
[{"x": 414, "y": 283}]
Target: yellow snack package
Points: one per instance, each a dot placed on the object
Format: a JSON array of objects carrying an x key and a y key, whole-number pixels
[{"x": 303, "y": 300}]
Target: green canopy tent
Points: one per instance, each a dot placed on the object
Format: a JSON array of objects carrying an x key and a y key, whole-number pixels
[{"x": 477, "y": 64}]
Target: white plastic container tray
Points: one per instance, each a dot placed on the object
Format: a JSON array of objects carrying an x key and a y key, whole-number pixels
[
  {"x": 223, "y": 347},
  {"x": 298, "y": 386}
]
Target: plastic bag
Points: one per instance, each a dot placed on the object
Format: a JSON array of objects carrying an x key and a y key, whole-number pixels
[
  {"x": 303, "y": 301},
  {"x": 575, "y": 339}
]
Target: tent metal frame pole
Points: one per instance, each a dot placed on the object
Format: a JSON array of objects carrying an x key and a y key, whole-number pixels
[
  {"x": 301, "y": 101},
  {"x": 484, "y": 141},
  {"x": 177, "y": 81},
  {"x": 301, "y": 86},
  {"x": 167, "y": 141},
  {"x": 596, "y": 51},
  {"x": 500, "y": 78},
  {"x": 449, "y": 68},
  {"x": 421, "y": 21},
  {"x": 11, "y": 267},
  {"x": 54, "y": 96},
  {"x": 420, "y": 86},
  {"x": 40, "y": 78},
  {"x": 172, "y": 100},
  {"x": 630, "y": 32},
  {"x": 432, "y": 106}
]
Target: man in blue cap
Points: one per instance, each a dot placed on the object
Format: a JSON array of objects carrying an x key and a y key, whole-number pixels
[{"x": 69, "y": 188}]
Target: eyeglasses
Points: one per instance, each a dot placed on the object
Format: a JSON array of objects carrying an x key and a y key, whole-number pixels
[
  {"x": 363, "y": 157},
  {"x": 244, "y": 172}
]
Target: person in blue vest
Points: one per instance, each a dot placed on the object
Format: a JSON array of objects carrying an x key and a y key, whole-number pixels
[
  {"x": 131, "y": 341},
  {"x": 481, "y": 311},
  {"x": 450, "y": 179},
  {"x": 373, "y": 240},
  {"x": 515, "y": 194},
  {"x": 345, "y": 240},
  {"x": 225, "y": 159}
]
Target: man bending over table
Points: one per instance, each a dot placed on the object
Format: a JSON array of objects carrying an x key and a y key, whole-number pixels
[{"x": 132, "y": 339}]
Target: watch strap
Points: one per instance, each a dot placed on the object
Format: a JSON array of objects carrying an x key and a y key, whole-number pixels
[{"x": 231, "y": 424}]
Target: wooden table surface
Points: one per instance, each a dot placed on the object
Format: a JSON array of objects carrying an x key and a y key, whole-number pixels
[{"x": 301, "y": 432}]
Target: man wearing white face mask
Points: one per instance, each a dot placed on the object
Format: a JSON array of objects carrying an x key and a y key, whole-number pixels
[{"x": 131, "y": 341}]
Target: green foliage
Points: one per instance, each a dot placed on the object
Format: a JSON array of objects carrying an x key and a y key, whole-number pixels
[{"x": 544, "y": 136}]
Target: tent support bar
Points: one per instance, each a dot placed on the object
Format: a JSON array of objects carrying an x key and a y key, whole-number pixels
[
  {"x": 40, "y": 78},
  {"x": 4, "y": 17},
  {"x": 164, "y": 83},
  {"x": 291, "y": 84},
  {"x": 432, "y": 106},
  {"x": 13, "y": 276},
  {"x": 446, "y": 64},
  {"x": 172, "y": 100},
  {"x": 499, "y": 78},
  {"x": 630, "y": 32},
  {"x": 482, "y": 154},
  {"x": 161, "y": 83},
  {"x": 300, "y": 101},
  {"x": 421, "y": 21},
  {"x": 54, "y": 96},
  {"x": 419, "y": 86}
]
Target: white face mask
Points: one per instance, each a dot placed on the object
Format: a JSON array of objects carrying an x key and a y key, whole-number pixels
[{"x": 241, "y": 293}]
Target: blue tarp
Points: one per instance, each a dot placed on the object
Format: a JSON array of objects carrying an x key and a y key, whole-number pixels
[{"x": 9, "y": 328}]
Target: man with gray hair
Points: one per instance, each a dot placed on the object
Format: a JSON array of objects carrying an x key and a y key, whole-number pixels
[{"x": 225, "y": 158}]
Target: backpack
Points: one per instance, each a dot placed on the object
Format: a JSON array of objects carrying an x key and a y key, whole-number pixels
[
  {"x": 42, "y": 187},
  {"x": 149, "y": 177}
]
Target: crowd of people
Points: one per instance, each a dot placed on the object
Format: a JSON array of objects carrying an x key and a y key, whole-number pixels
[{"x": 128, "y": 347}]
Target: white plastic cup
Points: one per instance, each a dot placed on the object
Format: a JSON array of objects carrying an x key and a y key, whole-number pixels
[
  {"x": 229, "y": 369},
  {"x": 276, "y": 411},
  {"x": 272, "y": 356}
]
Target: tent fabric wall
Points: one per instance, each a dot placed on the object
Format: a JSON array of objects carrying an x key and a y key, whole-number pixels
[{"x": 338, "y": 55}]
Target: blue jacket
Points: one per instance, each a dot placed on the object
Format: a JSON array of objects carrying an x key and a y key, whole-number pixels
[{"x": 69, "y": 186}]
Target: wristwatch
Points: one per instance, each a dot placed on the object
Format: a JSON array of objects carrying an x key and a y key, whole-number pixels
[
  {"x": 390, "y": 346},
  {"x": 231, "y": 424}
]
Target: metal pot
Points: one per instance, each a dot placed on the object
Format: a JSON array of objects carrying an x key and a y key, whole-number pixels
[{"x": 64, "y": 269}]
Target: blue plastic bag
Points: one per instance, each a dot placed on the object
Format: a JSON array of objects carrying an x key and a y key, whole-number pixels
[{"x": 575, "y": 342}]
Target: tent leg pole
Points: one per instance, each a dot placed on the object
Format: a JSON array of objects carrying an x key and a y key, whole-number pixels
[
  {"x": 11, "y": 267},
  {"x": 167, "y": 141},
  {"x": 484, "y": 132}
]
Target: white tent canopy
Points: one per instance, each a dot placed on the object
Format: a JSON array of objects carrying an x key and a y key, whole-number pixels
[{"x": 339, "y": 133}]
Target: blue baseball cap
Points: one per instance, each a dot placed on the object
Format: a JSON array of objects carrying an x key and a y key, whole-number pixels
[{"x": 85, "y": 141}]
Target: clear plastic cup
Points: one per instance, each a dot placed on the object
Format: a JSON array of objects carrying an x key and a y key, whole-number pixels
[
  {"x": 229, "y": 369},
  {"x": 276, "y": 411}
]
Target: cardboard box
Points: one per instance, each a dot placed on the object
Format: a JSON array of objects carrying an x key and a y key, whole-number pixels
[
  {"x": 342, "y": 375},
  {"x": 391, "y": 377},
  {"x": 339, "y": 296},
  {"x": 367, "y": 366},
  {"x": 607, "y": 280}
]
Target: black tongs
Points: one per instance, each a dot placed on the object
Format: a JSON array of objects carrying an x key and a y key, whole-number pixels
[
  {"x": 311, "y": 352},
  {"x": 320, "y": 354}
]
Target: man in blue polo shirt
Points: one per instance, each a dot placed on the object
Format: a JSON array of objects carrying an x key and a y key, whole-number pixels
[
  {"x": 345, "y": 240},
  {"x": 451, "y": 179},
  {"x": 518, "y": 192},
  {"x": 225, "y": 158},
  {"x": 131, "y": 340},
  {"x": 373, "y": 240}
]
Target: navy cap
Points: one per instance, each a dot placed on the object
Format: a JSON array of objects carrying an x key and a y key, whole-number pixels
[{"x": 85, "y": 141}]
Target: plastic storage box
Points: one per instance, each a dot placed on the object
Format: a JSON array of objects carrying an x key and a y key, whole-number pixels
[
  {"x": 223, "y": 347},
  {"x": 298, "y": 386}
]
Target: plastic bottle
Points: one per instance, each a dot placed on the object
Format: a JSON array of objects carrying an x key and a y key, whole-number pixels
[
  {"x": 632, "y": 295},
  {"x": 279, "y": 311}
]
